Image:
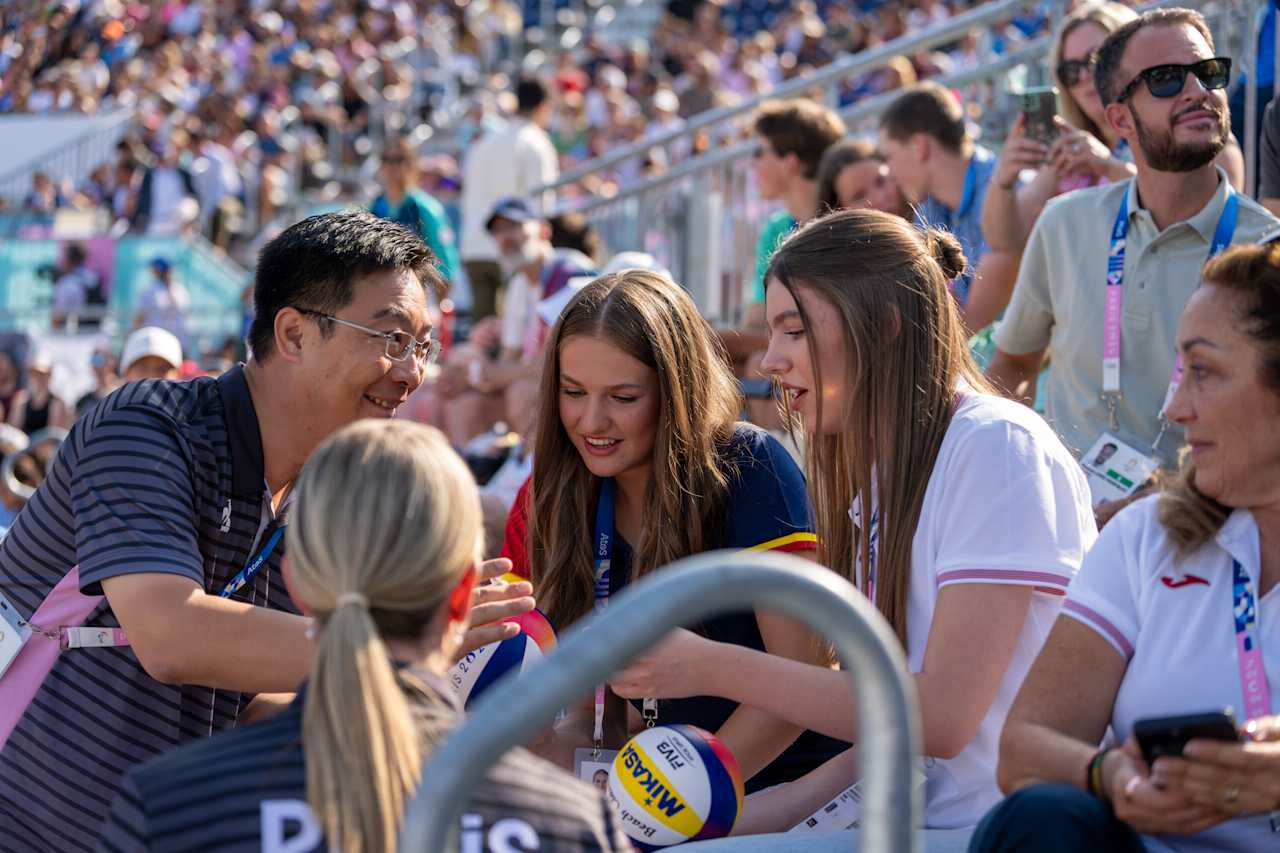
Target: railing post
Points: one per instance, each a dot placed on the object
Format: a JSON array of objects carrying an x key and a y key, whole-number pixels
[{"x": 690, "y": 590}]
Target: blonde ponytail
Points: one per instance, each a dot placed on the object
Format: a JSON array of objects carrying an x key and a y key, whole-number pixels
[{"x": 386, "y": 521}]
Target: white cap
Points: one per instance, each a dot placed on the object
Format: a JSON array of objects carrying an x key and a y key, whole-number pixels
[
  {"x": 550, "y": 309},
  {"x": 151, "y": 340}
]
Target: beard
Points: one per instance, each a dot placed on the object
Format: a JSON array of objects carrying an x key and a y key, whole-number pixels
[
  {"x": 1164, "y": 154},
  {"x": 528, "y": 253}
]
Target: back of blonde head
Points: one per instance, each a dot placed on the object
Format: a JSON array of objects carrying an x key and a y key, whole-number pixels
[{"x": 387, "y": 512}]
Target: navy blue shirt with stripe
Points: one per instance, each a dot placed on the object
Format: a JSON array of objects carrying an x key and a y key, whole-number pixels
[
  {"x": 245, "y": 791},
  {"x": 163, "y": 477}
]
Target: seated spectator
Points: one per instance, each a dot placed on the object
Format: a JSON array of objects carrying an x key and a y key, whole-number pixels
[
  {"x": 45, "y": 197},
  {"x": 573, "y": 231},
  {"x": 386, "y": 572},
  {"x": 74, "y": 288},
  {"x": 946, "y": 174},
  {"x": 8, "y": 383},
  {"x": 164, "y": 303},
  {"x": 1174, "y": 612},
  {"x": 151, "y": 353},
  {"x": 104, "y": 364},
  {"x": 1087, "y": 151},
  {"x": 167, "y": 196},
  {"x": 973, "y": 507},
  {"x": 853, "y": 175},
  {"x": 36, "y": 406},
  {"x": 403, "y": 201},
  {"x": 476, "y": 379}
]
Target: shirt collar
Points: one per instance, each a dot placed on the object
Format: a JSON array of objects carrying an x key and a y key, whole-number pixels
[
  {"x": 973, "y": 178},
  {"x": 1205, "y": 222},
  {"x": 248, "y": 470},
  {"x": 1238, "y": 536}
]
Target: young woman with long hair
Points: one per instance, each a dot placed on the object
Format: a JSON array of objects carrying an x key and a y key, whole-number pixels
[
  {"x": 959, "y": 513},
  {"x": 638, "y": 445},
  {"x": 383, "y": 551}
]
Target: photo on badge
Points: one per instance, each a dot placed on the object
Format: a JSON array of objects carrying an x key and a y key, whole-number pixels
[
  {"x": 594, "y": 766},
  {"x": 1115, "y": 469}
]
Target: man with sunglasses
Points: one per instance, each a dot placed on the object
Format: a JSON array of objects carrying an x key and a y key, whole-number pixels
[
  {"x": 1107, "y": 270},
  {"x": 144, "y": 576}
]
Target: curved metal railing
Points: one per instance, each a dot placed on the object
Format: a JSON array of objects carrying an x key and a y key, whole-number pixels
[{"x": 690, "y": 590}]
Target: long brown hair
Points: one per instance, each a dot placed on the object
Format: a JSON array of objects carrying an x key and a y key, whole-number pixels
[
  {"x": 1252, "y": 273},
  {"x": 907, "y": 357},
  {"x": 402, "y": 543},
  {"x": 653, "y": 320}
]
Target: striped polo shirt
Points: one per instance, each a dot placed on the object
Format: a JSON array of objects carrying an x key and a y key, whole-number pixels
[
  {"x": 246, "y": 791},
  {"x": 159, "y": 477}
]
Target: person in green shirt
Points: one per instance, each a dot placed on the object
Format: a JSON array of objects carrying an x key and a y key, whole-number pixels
[{"x": 402, "y": 201}]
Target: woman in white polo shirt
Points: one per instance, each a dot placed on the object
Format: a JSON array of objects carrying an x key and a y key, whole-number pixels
[
  {"x": 1154, "y": 612},
  {"x": 969, "y": 515}
]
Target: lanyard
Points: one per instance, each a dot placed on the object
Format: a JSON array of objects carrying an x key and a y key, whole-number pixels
[
  {"x": 603, "y": 558},
  {"x": 1253, "y": 675},
  {"x": 246, "y": 574},
  {"x": 1115, "y": 286}
]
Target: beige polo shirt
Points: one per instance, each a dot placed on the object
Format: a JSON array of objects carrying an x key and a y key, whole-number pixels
[{"x": 1060, "y": 297}]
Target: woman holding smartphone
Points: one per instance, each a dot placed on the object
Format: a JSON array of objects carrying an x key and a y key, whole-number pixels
[{"x": 1175, "y": 611}]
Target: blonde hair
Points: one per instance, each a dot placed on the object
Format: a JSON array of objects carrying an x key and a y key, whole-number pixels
[
  {"x": 385, "y": 512},
  {"x": 907, "y": 359},
  {"x": 653, "y": 320},
  {"x": 1108, "y": 16},
  {"x": 1252, "y": 274}
]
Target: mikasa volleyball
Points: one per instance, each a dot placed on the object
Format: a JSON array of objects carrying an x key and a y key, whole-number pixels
[
  {"x": 478, "y": 670},
  {"x": 673, "y": 784}
]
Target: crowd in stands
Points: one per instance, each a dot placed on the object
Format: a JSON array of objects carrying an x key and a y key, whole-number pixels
[{"x": 1072, "y": 344}]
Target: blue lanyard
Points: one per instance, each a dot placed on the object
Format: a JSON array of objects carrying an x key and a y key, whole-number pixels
[
  {"x": 1253, "y": 675},
  {"x": 604, "y": 541},
  {"x": 247, "y": 573},
  {"x": 1120, "y": 233}
]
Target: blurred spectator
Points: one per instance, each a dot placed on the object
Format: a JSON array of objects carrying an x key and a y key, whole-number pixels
[
  {"x": 151, "y": 353},
  {"x": 77, "y": 286},
  {"x": 852, "y": 174},
  {"x": 164, "y": 302},
  {"x": 946, "y": 174},
  {"x": 1269, "y": 159},
  {"x": 166, "y": 194},
  {"x": 220, "y": 187},
  {"x": 8, "y": 384},
  {"x": 510, "y": 162},
  {"x": 573, "y": 231},
  {"x": 45, "y": 197},
  {"x": 103, "y": 364},
  {"x": 402, "y": 201},
  {"x": 35, "y": 406}
]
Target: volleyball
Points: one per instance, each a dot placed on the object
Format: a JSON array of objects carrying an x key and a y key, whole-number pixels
[
  {"x": 673, "y": 784},
  {"x": 479, "y": 669}
]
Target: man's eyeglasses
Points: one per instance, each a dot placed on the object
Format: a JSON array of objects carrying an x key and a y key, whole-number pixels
[
  {"x": 397, "y": 345},
  {"x": 1166, "y": 81},
  {"x": 1072, "y": 71}
]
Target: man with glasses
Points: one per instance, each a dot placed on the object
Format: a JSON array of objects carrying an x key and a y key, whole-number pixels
[
  {"x": 145, "y": 572},
  {"x": 1107, "y": 270}
]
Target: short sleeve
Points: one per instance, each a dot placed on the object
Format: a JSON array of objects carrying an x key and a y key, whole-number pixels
[
  {"x": 1103, "y": 595},
  {"x": 132, "y": 499},
  {"x": 125, "y": 829},
  {"x": 776, "y": 227},
  {"x": 1013, "y": 510},
  {"x": 1269, "y": 153},
  {"x": 1028, "y": 321},
  {"x": 768, "y": 508},
  {"x": 515, "y": 539}
]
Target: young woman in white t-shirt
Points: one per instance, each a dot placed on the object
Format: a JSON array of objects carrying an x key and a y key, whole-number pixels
[
  {"x": 1153, "y": 619},
  {"x": 969, "y": 516}
]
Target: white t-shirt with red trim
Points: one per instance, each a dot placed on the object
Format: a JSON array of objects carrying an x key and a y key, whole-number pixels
[
  {"x": 1173, "y": 622},
  {"x": 1006, "y": 504}
]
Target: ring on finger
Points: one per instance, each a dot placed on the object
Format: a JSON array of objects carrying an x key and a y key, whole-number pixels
[{"x": 1231, "y": 795}]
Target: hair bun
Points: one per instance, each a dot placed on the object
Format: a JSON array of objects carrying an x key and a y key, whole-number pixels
[{"x": 945, "y": 248}]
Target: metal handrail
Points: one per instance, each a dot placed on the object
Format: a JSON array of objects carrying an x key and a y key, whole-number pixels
[
  {"x": 851, "y": 114},
  {"x": 941, "y": 33},
  {"x": 690, "y": 590}
]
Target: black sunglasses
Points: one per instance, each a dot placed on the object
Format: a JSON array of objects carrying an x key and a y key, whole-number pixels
[
  {"x": 1072, "y": 71},
  {"x": 1166, "y": 81}
]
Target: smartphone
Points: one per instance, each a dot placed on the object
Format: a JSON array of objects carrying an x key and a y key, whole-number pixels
[
  {"x": 1159, "y": 736},
  {"x": 1039, "y": 106}
]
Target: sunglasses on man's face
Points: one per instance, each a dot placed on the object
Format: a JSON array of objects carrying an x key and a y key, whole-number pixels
[
  {"x": 1166, "y": 81},
  {"x": 1072, "y": 71}
]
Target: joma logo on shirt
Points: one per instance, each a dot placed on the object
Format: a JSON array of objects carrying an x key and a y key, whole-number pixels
[{"x": 668, "y": 802}]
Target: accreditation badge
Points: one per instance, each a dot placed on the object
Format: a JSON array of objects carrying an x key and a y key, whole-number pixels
[
  {"x": 594, "y": 765},
  {"x": 14, "y": 633},
  {"x": 1115, "y": 469}
]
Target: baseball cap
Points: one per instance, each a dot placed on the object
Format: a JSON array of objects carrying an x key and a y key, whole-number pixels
[
  {"x": 513, "y": 208},
  {"x": 151, "y": 340},
  {"x": 161, "y": 263}
]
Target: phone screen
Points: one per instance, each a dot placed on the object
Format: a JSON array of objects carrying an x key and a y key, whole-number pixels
[{"x": 1039, "y": 106}]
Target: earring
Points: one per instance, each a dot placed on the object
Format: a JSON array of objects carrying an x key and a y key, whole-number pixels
[{"x": 311, "y": 631}]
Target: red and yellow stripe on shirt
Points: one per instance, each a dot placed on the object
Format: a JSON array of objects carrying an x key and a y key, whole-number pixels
[{"x": 803, "y": 541}]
